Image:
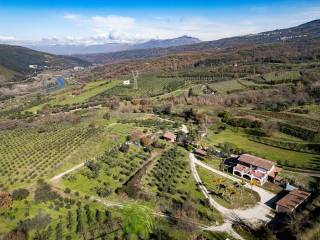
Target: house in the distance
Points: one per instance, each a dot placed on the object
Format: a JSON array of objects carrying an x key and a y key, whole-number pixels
[
  {"x": 126, "y": 82},
  {"x": 200, "y": 152},
  {"x": 290, "y": 202},
  {"x": 169, "y": 136},
  {"x": 255, "y": 168}
]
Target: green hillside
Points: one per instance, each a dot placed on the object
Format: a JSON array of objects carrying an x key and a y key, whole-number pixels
[{"x": 15, "y": 61}]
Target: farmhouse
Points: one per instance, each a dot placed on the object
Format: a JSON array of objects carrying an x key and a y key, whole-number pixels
[
  {"x": 169, "y": 136},
  {"x": 252, "y": 167},
  {"x": 292, "y": 201}
]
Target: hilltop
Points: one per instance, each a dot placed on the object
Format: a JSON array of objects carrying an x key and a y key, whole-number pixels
[
  {"x": 71, "y": 49},
  {"x": 304, "y": 32}
]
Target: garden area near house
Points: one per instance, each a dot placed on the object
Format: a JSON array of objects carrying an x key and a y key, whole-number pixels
[{"x": 226, "y": 192}]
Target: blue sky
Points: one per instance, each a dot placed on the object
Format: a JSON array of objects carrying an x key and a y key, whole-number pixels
[{"x": 99, "y": 21}]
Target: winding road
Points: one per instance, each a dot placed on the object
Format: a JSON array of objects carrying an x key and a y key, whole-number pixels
[{"x": 261, "y": 213}]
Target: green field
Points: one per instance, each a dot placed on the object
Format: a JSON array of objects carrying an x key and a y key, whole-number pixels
[
  {"x": 226, "y": 192},
  {"x": 281, "y": 76},
  {"x": 275, "y": 154},
  {"x": 227, "y": 86},
  {"x": 66, "y": 97},
  {"x": 148, "y": 85}
]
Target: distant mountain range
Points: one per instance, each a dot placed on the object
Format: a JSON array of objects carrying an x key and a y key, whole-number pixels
[
  {"x": 68, "y": 49},
  {"x": 17, "y": 62},
  {"x": 304, "y": 32},
  {"x": 158, "y": 43}
]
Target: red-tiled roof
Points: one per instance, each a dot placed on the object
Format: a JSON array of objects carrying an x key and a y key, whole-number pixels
[
  {"x": 249, "y": 171},
  {"x": 169, "y": 135},
  {"x": 256, "y": 161},
  {"x": 275, "y": 172},
  {"x": 240, "y": 167},
  {"x": 293, "y": 199},
  {"x": 200, "y": 152},
  {"x": 258, "y": 174}
]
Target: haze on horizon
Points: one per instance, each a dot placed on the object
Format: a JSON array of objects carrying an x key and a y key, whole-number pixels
[{"x": 97, "y": 22}]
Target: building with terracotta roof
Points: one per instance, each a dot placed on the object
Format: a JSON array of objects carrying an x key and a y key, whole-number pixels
[
  {"x": 169, "y": 136},
  {"x": 292, "y": 201},
  {"x": 255, "y": 168},
  {"x": 200, "y": 152}
]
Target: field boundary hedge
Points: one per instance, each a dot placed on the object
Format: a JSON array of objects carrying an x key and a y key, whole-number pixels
[{"x": 297, "y": 147}]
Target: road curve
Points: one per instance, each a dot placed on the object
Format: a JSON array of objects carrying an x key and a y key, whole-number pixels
[{"x": 258, "y": 214}]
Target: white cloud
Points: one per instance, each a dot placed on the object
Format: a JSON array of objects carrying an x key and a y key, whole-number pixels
[
  {"x": 71, "y": 16},
  {"x": 100, "y": 29},
  {"x": 7, "y": 39}
]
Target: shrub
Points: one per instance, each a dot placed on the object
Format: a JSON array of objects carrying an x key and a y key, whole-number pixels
[
  {"x": 20, "y": 194},
  {"x": 104, "y": 190},
  {"x": 124, "y": 148},
  {"x": 44, "y": 193},
  {"x": 67, "y": 190},
  {"x": 106, "y": 116}
]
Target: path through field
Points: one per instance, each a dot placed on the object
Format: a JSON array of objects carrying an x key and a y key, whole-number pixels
[{"x": 56, "y": 179}]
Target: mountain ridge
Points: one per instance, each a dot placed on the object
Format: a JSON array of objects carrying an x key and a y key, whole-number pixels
[
  {"x": 305, "y": 31},
  {"x": 72, "y": 49}
]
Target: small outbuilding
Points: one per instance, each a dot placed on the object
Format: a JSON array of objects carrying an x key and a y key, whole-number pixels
[
  {"x": 200, "y": 152},
  {"x": 290, "y": 202},
  {"x": 169, "y": 136}
]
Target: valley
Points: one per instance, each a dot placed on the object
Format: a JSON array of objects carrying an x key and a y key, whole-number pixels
[{"x": 198, "y": 141}]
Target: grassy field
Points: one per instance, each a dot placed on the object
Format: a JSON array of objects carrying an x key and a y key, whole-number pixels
[
  {"x": 288, "y": 117},
  {"x": 227, "y": 86},
  {"x": 66, "y": 98},
  {"x": 281, "y": 76},
  {"x": 226, "y": 192},
  {"x": 239, "y": 138},
  {"x": 148, "y": 85}
]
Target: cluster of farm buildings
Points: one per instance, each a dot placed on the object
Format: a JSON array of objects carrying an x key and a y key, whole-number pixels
[{"x": 260, "y": 171}]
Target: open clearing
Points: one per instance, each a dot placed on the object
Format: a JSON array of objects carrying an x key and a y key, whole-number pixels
[{"x": 275, "y": 154}]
